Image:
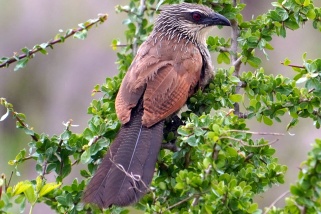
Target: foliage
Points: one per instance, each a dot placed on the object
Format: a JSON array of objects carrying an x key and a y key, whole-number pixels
[{"x": 217, "y": 166}]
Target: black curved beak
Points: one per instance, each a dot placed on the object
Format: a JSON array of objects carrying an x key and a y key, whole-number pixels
[{"x": 218, "y": 19}]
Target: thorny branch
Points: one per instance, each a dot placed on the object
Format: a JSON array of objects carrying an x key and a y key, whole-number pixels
[{"x": 14, "y": 58}]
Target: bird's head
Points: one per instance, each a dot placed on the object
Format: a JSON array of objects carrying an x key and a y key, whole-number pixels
[{"x": 189, "y": 20}]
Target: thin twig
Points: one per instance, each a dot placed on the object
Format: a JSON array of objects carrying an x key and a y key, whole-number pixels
[
  {"x": 9, "y": 180},
  {"x": 245, "y": 144},
  {"x": 44, "y": 168},
  {"x": 249, "y": 157},
  {"x": 184, "y": 200},
  {"x": 75, "y": 162},
  {"x": 215, "y": 152},
  {"x": 224, "y": 49},
  {"x": 33, "y": 136},
  {"x": 187, "y": 158},
  {"x": 101, "y": 18},
  {"x": 294, "y": 66},
  {"x": 275, "y": 201},
  {"x": 122, "y": 45},
  {"x": 256, "y": 133},
  {"x": 195, "y": 200}
]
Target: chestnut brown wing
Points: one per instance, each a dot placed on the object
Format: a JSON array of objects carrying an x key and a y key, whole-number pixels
[{"x": 164, "y": 75}]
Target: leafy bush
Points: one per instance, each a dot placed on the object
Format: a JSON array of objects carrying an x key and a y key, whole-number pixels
[{"x": 211, "y": 163}]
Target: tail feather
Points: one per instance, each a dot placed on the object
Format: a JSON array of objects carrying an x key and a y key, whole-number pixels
[{"x": 127, "y": 170}]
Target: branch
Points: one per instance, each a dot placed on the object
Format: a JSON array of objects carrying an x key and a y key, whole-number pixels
[
  {"x": 245, "y": 144},
  {"x": 33, "y": 136},
  {"x": 5, "y": 62},
  {"x": 256, "y": 133},
  {"x": 16, "y": 115},
  {"x": 237, "y": 113},
  {"x": 44, "y": 169},
  {"x": 8, "y": 184},
  {"x": 184, "y": 200},
  {"x": 275, "y": 201},
  {"x": 237, "y": 63},
  {"x": 170, "y": 146},
  {"x": 224, "y": 49},
  {"x": 293, "y": 66},
  {"x": 234, "y": 43},
  {"x": 27, "y": 158}
]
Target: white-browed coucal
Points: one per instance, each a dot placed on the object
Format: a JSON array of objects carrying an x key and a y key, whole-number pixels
[{"x": 169, "y": 66}]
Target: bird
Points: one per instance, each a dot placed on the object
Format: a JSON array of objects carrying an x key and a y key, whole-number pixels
[{"x": 168, "y": 68}]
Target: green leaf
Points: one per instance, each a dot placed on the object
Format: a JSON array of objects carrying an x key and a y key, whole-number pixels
[
  {"x": 223, "y": 57},
  {"x": 282, "y": 32},
  {"x": 21, "y": 64},
  {"x": 311, "y": 14},
  {"x": 306, "y": 3},
  {"x": 62, "y": 200},
  {"x": 234, "y": 79},
  {"x": 313, "y": 84},
  {"x": 282, "y": 13},
  {"x": 48, "y": 188},
  {"x": 287, "y": 62},
  {"x": 30, "y": 195},
  {"x": 84, "y": 173},
  {"x": 236, "y": 97},
  {"x": 252, "y": 208},
  {"x": 39, "y": 182},
  {"x": 254, "y": 61},
  {"x": 293, "y": 123},
  {"x": 192, "y": 140},
  {"x": 21, "y": 187},
  {"x": 183, "y": 131},
  {"x": 85, "y": 156},
  {"x": 81, "y": 34},
  {"x": 65, "y": 200},
  {"x": 267, "y": 120}
]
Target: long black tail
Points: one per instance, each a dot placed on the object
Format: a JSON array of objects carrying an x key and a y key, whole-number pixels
[{"x": 127, "y": 170}]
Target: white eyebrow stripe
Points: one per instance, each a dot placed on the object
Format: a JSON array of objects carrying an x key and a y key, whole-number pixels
[{"x": 195, "y": 10}]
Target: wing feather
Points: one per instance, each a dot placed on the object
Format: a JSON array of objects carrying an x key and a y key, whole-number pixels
[{"x": 164, "y": 78}]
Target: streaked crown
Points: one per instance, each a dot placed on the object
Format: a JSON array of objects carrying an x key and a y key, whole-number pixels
[{"x": 190, "y": 21}]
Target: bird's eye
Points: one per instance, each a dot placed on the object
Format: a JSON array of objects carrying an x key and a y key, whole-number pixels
[{"x": 196, "y": 16}]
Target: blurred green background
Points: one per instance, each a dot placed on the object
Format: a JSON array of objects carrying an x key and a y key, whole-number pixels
[{"x": 55, "y": 88}]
